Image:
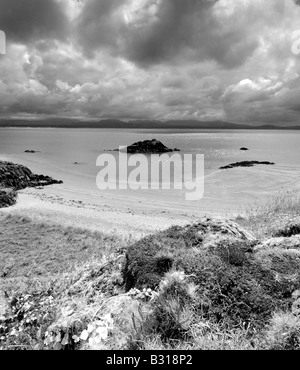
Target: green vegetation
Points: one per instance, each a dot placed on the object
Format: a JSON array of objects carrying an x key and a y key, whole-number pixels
[{"x": 210, "y": 285}]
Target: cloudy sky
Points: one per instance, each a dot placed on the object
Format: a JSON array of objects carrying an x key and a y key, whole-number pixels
[{"x": 233, "y": 60}]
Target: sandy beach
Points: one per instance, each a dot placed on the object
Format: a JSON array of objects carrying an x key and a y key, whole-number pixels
[{"x": 79, "y": 203}]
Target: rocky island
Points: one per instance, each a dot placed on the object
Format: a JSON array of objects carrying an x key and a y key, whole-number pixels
[
  {"x": 15, "y": 177},
  {"x": 148, "y": 147},
  {"x": 246, "y": 164}
]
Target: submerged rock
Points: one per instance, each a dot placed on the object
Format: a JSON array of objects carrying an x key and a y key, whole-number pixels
[
  {"x": 148, "y": 147},
  {"x": 246, "y": 164}
]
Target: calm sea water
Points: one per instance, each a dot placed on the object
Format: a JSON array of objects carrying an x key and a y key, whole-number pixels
[{"x": 60, "y": 148}]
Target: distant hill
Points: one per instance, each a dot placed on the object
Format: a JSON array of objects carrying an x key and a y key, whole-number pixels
[{"x": 137, "y": 124}]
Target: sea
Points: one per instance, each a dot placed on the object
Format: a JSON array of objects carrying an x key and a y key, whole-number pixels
[{"x": 71, "y": 155}]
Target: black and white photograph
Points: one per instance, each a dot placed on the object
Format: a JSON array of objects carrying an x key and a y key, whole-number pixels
[{"x": 149, "y": 178}]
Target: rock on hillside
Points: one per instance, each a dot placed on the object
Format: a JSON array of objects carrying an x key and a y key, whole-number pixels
[{"x": 148, "y": 147}]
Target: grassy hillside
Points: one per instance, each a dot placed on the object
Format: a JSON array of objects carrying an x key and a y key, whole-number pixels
[{"x": 210, "y": 285}]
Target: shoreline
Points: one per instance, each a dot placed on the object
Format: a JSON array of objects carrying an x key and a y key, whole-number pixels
[
  {"x": 43, "y": 205},
  {"x": 78, "y": 203}
]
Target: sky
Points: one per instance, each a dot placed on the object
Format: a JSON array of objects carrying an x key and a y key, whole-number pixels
[{"x": 208, "y": 60}]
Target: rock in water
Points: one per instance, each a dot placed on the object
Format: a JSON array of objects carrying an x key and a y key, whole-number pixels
[
  {"x": 246, "y": 164},
  {"x": 148, "y": 147},
  {"x": 244, "y": 149}
]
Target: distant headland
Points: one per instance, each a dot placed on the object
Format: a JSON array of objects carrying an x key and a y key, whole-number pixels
[{"x": 138, "y": 124}]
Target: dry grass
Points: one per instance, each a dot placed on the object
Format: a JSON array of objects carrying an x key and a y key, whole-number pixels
[
  {"x": 264, "y": 219},
  {"x": 29, "y": 249}
]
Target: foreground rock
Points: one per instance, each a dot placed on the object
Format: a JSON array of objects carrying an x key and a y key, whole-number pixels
[
  {"x": 246, "y": 164},
  {"x": 148, "y": 147}
]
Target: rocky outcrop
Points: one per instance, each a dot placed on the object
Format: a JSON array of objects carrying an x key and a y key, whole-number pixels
[
  {"x": 244, "y": 149},
  {"x": 246, "y": 164},
  {"x": 19, "y": 177},
  {"x": 30, "y": 151},
  {"x": 15, "y": 177},
  {"x": 8, "y": 197},
  {"x": 148, "y": 147}
]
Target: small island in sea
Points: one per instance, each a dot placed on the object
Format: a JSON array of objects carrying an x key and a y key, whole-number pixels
[
  {"x": 147, "y": 147},
  {"x": 246, "y": 164}
]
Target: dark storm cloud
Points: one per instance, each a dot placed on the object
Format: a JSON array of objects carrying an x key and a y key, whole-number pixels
[
  {"x": 30, "y": 20},
  {"x": 151, "y": 59},
  {"x": 175, "y": 31},
  {"x": 97, "y": 26}
]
